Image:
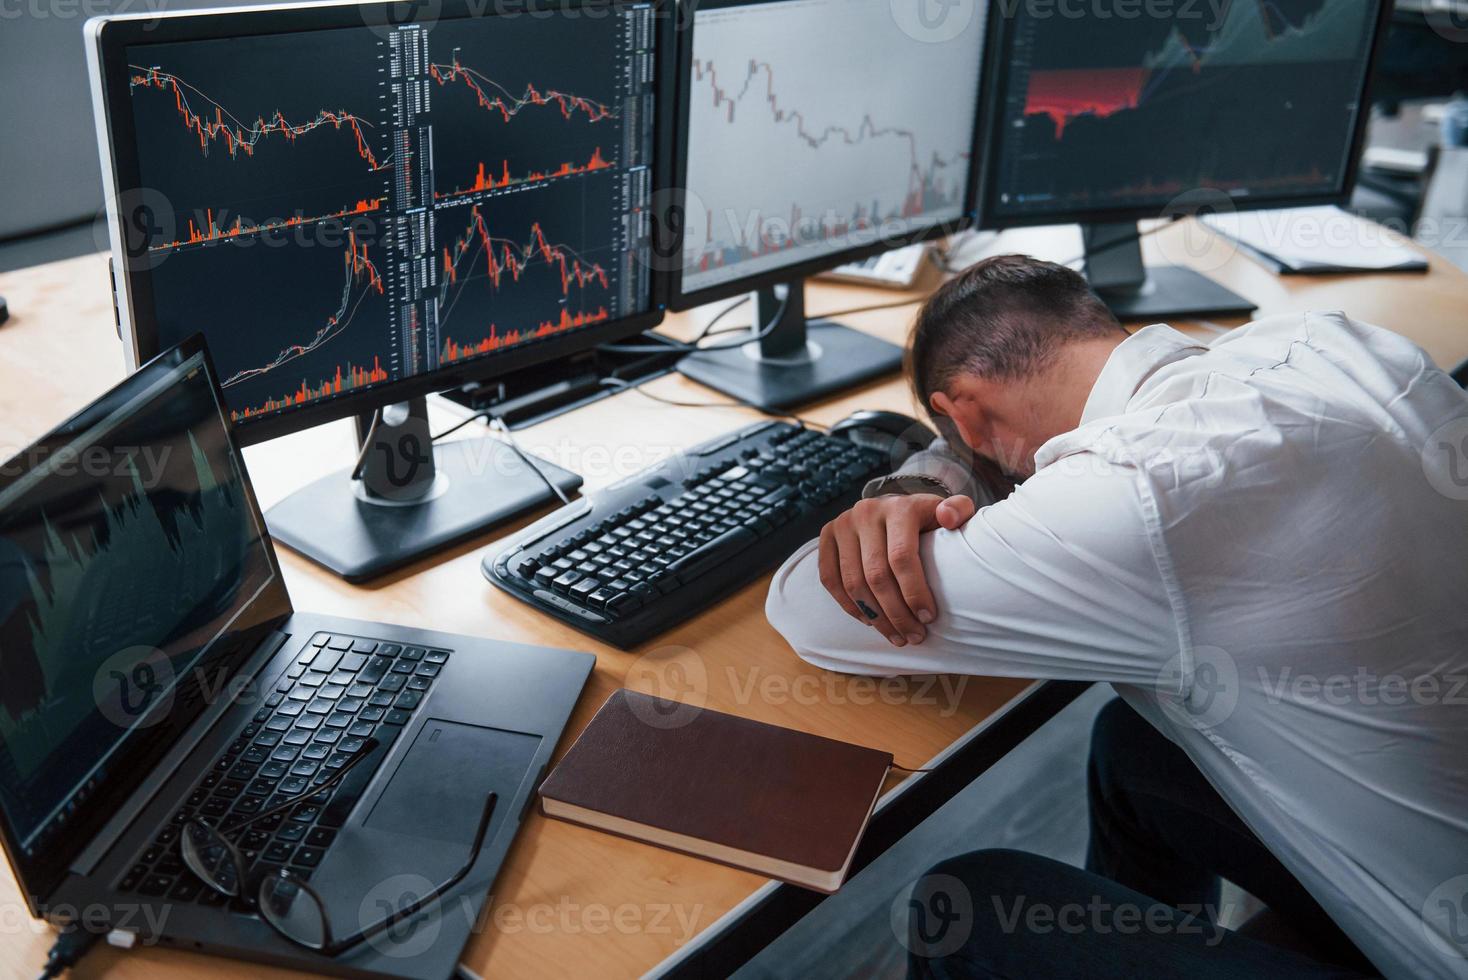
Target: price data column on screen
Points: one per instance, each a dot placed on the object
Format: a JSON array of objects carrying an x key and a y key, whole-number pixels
[
  {"x": 808, "y": 133},
  {"x": 354, "y": 207}
]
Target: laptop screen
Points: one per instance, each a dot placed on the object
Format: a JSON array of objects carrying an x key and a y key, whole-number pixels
[{"x": 134, "y": 576}]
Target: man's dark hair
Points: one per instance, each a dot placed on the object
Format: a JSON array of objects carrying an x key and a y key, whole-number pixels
[{"x": 1003, "y": 317}]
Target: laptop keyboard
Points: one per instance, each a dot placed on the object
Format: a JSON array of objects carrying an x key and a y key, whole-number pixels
[{"x": 340, "y": 691}]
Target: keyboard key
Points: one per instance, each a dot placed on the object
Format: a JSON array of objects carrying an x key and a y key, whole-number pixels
[
  {"x": 308, "y": 857},
  {"x": 396, "y": 716},
  {"x": 428, "y": 670},
  {"x": 279, "y": 852},
  {"x": 352, "y": 661},
  {"x": 361, "y": 729},
  {"x": 371, "y": 713},
  {"x": 389, "y": 649},
  {"x": 409, "y": 700},
  {"x": 342, "y": 643},
  {"x": 419, "y": 683},
  {"x": 155, "y": 886},
  {"x": 413, "y": 653},
  {"x": 306, "y": 813},
  {"x": 437, "y": 656},
  {"x": 364, "y": 646},
  {"x": 325, "y": 661},
  {"x": 321, "y": 838}
]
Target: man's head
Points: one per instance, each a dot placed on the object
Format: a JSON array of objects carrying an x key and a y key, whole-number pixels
[{"x": 1005, "y": 355}]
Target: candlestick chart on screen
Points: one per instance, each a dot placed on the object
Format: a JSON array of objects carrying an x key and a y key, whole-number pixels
[{"x": 315, "y": 183}]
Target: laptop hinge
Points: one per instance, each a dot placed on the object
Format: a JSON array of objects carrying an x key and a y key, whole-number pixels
[{"x": 86, "y": 862}]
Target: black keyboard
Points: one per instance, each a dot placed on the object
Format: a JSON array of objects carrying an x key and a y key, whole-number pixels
[
  {"x": 631, "y": 561},
  {"x": 341, "y": 691}
]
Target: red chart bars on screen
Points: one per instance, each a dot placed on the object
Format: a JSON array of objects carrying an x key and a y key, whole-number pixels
[
  {"x": 351, "y": 190},
  {"x": 361, "y": 279},
  {"x": 479, "y": 253},
  {"x": 485, "y": 181},
  {"x": 220, "y": 227}
]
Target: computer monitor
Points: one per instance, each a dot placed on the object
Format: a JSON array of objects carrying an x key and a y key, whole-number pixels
[
  {"x": 1104, "y": 119},
  {"x": 813, "y": 133},
  {"x": 361, "y": 204}
]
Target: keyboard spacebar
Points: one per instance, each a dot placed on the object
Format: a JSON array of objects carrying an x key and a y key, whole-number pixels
[{"x": 713, "y": 554}]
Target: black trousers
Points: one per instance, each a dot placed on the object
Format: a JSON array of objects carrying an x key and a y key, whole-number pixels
[{"x": 1146, "y": 904}]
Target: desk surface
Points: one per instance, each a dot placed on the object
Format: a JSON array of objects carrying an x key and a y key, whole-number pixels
[{"x": 570, "y": 901}]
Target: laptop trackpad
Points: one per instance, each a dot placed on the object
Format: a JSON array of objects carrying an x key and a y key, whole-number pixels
[{"x": 440, "y": 786}]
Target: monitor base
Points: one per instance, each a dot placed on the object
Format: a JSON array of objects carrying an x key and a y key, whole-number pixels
[
  {"x": 1174, "y": 291},
  {"x": 797, "y": 362},
  {"x": 1134, "y": 291},
  {"x": 477, "y": 484}
]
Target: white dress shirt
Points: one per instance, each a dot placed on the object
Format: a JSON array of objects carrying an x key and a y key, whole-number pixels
[{"x": 1263, "y": 543}]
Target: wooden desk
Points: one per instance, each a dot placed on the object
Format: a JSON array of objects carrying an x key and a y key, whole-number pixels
[{"x": 570, "y": 901}]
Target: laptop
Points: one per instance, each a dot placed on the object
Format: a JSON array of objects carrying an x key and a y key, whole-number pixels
[{"x": 157, "y": 678}]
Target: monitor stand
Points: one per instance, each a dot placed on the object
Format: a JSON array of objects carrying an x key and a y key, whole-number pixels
[
  {"x": 413, "y": 498},
  {"x": 798, "y": 361},
  {"x": 1134, "y": 291}
]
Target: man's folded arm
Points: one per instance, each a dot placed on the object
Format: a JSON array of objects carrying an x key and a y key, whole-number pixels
[{"x": 1059, "y": 580}]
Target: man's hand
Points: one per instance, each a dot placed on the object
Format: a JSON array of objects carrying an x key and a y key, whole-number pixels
[{"x": 869, "y": 561}]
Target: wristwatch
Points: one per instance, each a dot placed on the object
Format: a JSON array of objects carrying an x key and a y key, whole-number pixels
[{"x": 905, "y": 484}]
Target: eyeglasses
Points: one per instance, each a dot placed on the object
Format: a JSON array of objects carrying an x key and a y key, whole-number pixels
[{"x": 285, "y": 900}]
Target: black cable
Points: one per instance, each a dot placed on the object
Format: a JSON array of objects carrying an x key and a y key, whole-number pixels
[
  {"x": 693, "y": 348},
  {"x": 68, "y": 950},
  {"x": 366, "y": 445},
  {"x": 708, "y": 328},
  {"x": 498, "y": 424},
  {"x": 829, "y": 316},
  {"x": 477, "y": 416},
  {"x": 804, "y": 423}
]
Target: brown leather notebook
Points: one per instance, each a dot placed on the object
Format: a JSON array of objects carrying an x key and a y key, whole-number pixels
[{"x": 768, "y": 799}]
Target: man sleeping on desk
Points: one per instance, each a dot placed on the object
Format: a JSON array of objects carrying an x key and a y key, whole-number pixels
[{"x": 1262, "y": 543}]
